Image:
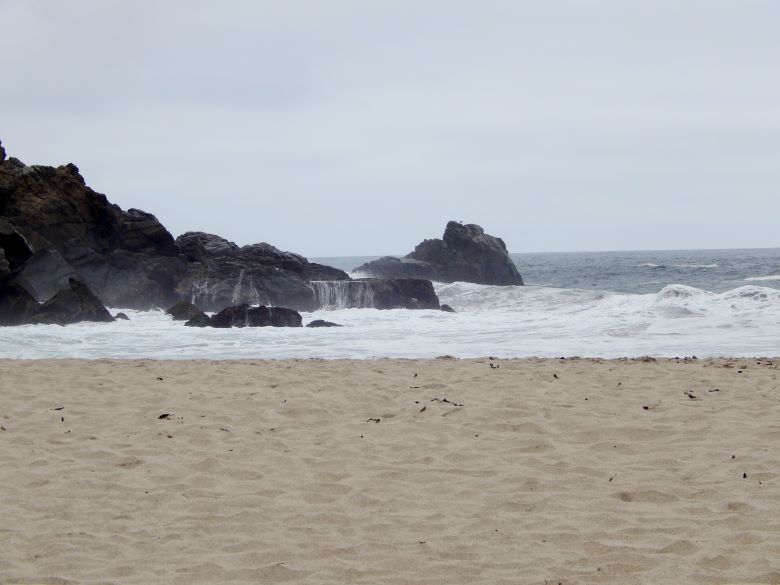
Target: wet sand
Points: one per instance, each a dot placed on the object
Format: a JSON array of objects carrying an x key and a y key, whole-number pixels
[{"x": 390, "y": 471}]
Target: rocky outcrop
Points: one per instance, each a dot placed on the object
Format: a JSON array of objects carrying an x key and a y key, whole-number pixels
[
  {"x": 183, "y": 311},
  {"x": 245, "y": 316},
  {"x": 378, "y": 293},
  {"x": 61, "y": 230},
  {"x": 126, "y": 257},
  {"x": 221, "y": 273},
  {"x": 465, "y": 253}
]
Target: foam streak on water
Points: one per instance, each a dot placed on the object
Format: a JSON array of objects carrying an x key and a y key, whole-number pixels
[{"x": 498, "y": 321}]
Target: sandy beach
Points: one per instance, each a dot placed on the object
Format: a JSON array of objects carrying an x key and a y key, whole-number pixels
[{"x": 390, "y": 471}]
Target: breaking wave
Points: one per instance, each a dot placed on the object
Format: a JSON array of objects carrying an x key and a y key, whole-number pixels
[{"x": 490, "y": 320}]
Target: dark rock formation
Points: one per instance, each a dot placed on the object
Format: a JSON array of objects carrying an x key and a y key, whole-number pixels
[
  {"x": 403, "y": 293},
  {"x": 15, "y": 249},
  {"x": 447, "y": 309},
  {"x": 245, "y": 316},
  {"x": 200, "y": 320},
  {"x": 46, "y": 273},
  {"x": 17, "y": 306},
  {"x": 73, "y": 305},
  {"x": 183, "y": 311},
  {"x": 121, "y": 317},
  {"x": 379, "y": 293},
  {"x": 221, "y": 273},
  {"x": 126, "y": 257},
  {"x": 56, "y": 228},
  {"x": 26, "y": 278},
  {"x": 465, "y": 253},
  {"x": 322, "y": 323}
]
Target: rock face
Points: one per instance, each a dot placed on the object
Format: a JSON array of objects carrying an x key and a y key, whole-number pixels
[
  {"x": 465, "y": 253},
  {"x": 20, "y": 284},
  {"x": 73, "y": 305},
  {"x": 245, "y": 316},
  {"x": 221, "y": 273},
  {"x": 126, "y": 257}
]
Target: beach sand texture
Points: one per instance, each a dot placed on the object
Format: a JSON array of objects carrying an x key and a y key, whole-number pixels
[{"x": 359, "y": 472}]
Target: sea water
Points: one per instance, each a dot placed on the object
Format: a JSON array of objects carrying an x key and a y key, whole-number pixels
[{"x": 607, "y": 304}]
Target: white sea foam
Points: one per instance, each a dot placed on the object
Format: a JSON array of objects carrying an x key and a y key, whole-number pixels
[
  {"x": 767, "y": 278},
  {"x": 491, "y": 320}
]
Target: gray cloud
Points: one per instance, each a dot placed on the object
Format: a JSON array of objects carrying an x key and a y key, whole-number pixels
[{"x": 352, "y": 127}]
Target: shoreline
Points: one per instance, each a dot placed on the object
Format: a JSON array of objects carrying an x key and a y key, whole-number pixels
[{"x": 390, "y": 471}]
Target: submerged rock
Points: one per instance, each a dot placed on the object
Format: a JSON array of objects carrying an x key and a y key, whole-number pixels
[
  {"x": 322, "y": 323},
  {"x": 465, "y": 253},
  {"x": 447, "y": 309},
  {"x": 121, "y": 317}
]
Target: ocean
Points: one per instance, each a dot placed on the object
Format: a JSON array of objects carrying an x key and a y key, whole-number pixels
[{"x": 593, "y": 304}]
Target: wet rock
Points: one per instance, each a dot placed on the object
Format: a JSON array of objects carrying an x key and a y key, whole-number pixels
[
  {"x": 183, "y": 311},
  {"x": 465, "y": 253},
  {"x": 75, "y": 304},
  {"x": 221, "y": 273},
  {"x": 379, "y": 293},
  {"x": 246, "y": 316},
  {"x": 322, "y": 323},
  {"x": 121, "y": 317},
  {"x": 447, "y": 309},
  {"x": 200, "y": 320}
]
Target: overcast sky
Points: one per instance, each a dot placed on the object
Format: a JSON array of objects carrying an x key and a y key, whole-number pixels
[{"x": 360, "y": 127}]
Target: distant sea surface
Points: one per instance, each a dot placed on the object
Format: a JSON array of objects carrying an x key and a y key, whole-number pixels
[
  {"x": 635, "y": 272},
  {"x": 605, "y": 304}
]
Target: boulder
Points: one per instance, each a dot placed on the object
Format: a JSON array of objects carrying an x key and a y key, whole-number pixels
[
  {"x": 183, "y": 311},
  {"x": 121, "y": 317},
  {"x": 465, "y": 253},
  {"x": 72, "y": 305},
  {"x": 245, "y": 316},
  {"x": 322, "y": 323},
  {"x": 447, "y": 309}
]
